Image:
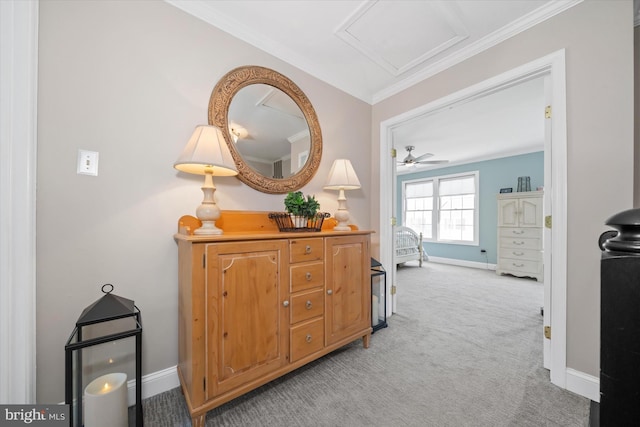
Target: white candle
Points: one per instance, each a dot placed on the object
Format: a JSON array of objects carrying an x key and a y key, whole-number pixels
[
  {"x": 375, "y": 319},
  {"x": 105, "y": 401}
]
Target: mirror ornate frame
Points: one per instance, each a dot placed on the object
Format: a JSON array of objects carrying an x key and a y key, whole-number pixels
[{"x": 219, "y": 103}]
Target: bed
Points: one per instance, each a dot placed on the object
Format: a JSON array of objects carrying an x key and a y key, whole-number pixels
[{"x": 408, "y": 245}]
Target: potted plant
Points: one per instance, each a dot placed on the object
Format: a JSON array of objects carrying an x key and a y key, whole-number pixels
[{"x": 300, "y": 208}]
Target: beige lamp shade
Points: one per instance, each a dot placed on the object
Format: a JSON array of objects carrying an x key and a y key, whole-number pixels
[
  {"x": 342, "y": 176},
  {"x": 206, "y": 153}
]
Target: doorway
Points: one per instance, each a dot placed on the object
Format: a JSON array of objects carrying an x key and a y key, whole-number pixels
[{"x": 552, "y": 66}]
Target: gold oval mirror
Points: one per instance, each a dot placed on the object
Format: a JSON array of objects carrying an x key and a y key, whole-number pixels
[{"x": 270, "y": 127}]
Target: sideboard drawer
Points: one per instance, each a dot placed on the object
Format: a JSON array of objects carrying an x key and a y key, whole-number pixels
[
  {"x": 520, "y": 266},
  {"x": 517, "y": 253},
  {"x": 302, "y": 250},
  {"x": 307, "y": 276},
  {"x": 520, "y": 243},
  {"x": 307, "y": 305},
  {"x": 519, "y": 232},
  {"x": 307, "y": 338}
]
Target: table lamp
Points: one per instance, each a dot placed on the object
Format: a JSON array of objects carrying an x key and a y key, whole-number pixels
[
  {"x": 342, "y": 177},
  {"x": 207, "y": 154}
]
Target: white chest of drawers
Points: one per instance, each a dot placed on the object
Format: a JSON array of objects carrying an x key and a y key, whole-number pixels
[{"x": 520, "y": 234}]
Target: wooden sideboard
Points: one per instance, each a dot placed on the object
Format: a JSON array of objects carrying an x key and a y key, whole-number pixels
[{"x": 256, "y": 305}]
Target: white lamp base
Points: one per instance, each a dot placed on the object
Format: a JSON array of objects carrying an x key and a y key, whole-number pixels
[
  {"x": 342, "y": 214},
  {"x": 208, "y": 212}
]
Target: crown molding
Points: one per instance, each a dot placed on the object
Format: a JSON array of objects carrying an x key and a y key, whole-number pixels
[
  {"x": 230, "y": 25},
  {"x": 200, "y": 10},
  {"x": 539, "y": 15}
]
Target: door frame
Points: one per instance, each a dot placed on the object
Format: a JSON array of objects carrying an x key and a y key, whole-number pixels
[
  {"x": 18, "y": 160},
  {"x": 553, "y": 65}
]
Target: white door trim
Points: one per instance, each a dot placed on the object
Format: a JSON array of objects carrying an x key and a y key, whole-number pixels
[
  {"x": 18, "y": 142},
  {"x": 553, "y": 64}
]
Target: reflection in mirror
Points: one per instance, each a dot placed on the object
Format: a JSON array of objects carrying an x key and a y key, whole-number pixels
[
  {"x": 270, "y": 126},
  {"x": 269, "y": 131}
]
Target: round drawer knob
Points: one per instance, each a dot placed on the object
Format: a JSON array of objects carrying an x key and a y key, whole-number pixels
[
  {"x": 307, "y": 249},
  {"x": 329, "y": 291},
  {"x": 308, "y": 276},
  {"x": 286, "y": 303},
  {"x": 309, "y": 305},
  {"x": 308, "y": 338}
]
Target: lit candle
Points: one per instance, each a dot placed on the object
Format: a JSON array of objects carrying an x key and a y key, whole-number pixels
[{"x": 105, "y": 401}]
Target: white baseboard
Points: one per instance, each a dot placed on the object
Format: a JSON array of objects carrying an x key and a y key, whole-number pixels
[
  {"x": 158, "y": 382},
  {"x": 583, "y": 384},
  {"x": 154, "y": 383},
  {"x": 462, "y": 263}
]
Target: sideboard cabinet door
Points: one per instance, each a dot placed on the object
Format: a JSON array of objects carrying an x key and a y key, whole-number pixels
[
  {"x": 347, "y": 287},
  {"x": 247, "y": 314}
]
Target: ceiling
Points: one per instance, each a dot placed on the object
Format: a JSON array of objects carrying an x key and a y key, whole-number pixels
[
  {"x": 374, "y": 49},
  {"x": 504, "y": 123}
]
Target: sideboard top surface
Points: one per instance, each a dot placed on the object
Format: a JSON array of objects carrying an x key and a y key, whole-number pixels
[{"x": 256, "y": 225}]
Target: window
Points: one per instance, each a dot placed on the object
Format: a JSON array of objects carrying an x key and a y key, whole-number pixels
[
  {"x": 418, "y": 207},
  {"x": 444, "y": 208}
]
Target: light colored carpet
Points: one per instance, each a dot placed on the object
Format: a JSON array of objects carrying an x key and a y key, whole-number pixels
[{"x": 464, "y": 349}]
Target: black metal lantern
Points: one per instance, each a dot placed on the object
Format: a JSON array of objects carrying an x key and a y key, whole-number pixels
[
  {"x": 378, "y": 295},
  {"x": 98, "y": 348}
]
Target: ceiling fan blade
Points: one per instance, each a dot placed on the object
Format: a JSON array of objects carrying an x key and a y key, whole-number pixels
[
  {"x": 433, "y": 162},
  {"x": 424, "y": 156}
]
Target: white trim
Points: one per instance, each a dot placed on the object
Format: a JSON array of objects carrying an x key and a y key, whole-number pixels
[
  {"x": 18, "y": 153},
  {"x": 462, "y": 263},
  {"x": 559, "y": 161},
  {"x": 583, "y": 384},
  {"x": 553, "y": 64},
  {"x": 154, "y": 383},
  {"x": 167, "y": 379}
]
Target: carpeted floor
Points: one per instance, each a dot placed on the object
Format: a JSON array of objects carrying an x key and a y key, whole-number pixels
[{"x": 464, "y": 349}]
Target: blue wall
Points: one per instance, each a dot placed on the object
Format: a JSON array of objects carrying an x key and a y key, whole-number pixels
[{"x": 494, "y": 175}]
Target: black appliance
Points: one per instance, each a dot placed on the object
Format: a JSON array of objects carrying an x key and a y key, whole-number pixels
[{"x": 620, "y": 321}]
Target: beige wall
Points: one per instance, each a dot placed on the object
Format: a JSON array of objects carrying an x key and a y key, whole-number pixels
[
  {"x": 598, "y": 38},
  {"x": 131, "y": 80}
]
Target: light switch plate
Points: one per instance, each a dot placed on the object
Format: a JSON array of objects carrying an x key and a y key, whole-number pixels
[{"x": 88, "y": 162}]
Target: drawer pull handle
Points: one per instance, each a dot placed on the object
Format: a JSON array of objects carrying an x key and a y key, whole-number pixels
[
  {"x": 308, "y": 305},
  {"x": 286, "y": 303},
  {"x": 517, "y": 265},
  {"x": 518, "y": 253},
  {"x": 307, "y": 249},
  {"x": 518, "y": 231},
  {"x": 308, "y": 276},
  {"x": 329, "y": 291},
  {"x": 518, "y": 243},
  {"x": 308, "y": 338}
]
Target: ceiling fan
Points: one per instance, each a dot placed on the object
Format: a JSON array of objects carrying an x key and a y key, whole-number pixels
[{"x": 411, "y": 160}]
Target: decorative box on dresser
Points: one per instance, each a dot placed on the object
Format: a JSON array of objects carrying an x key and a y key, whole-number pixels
[
  {"x": 257, "y": 304},
  {"x": 520, "y": 218}
]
